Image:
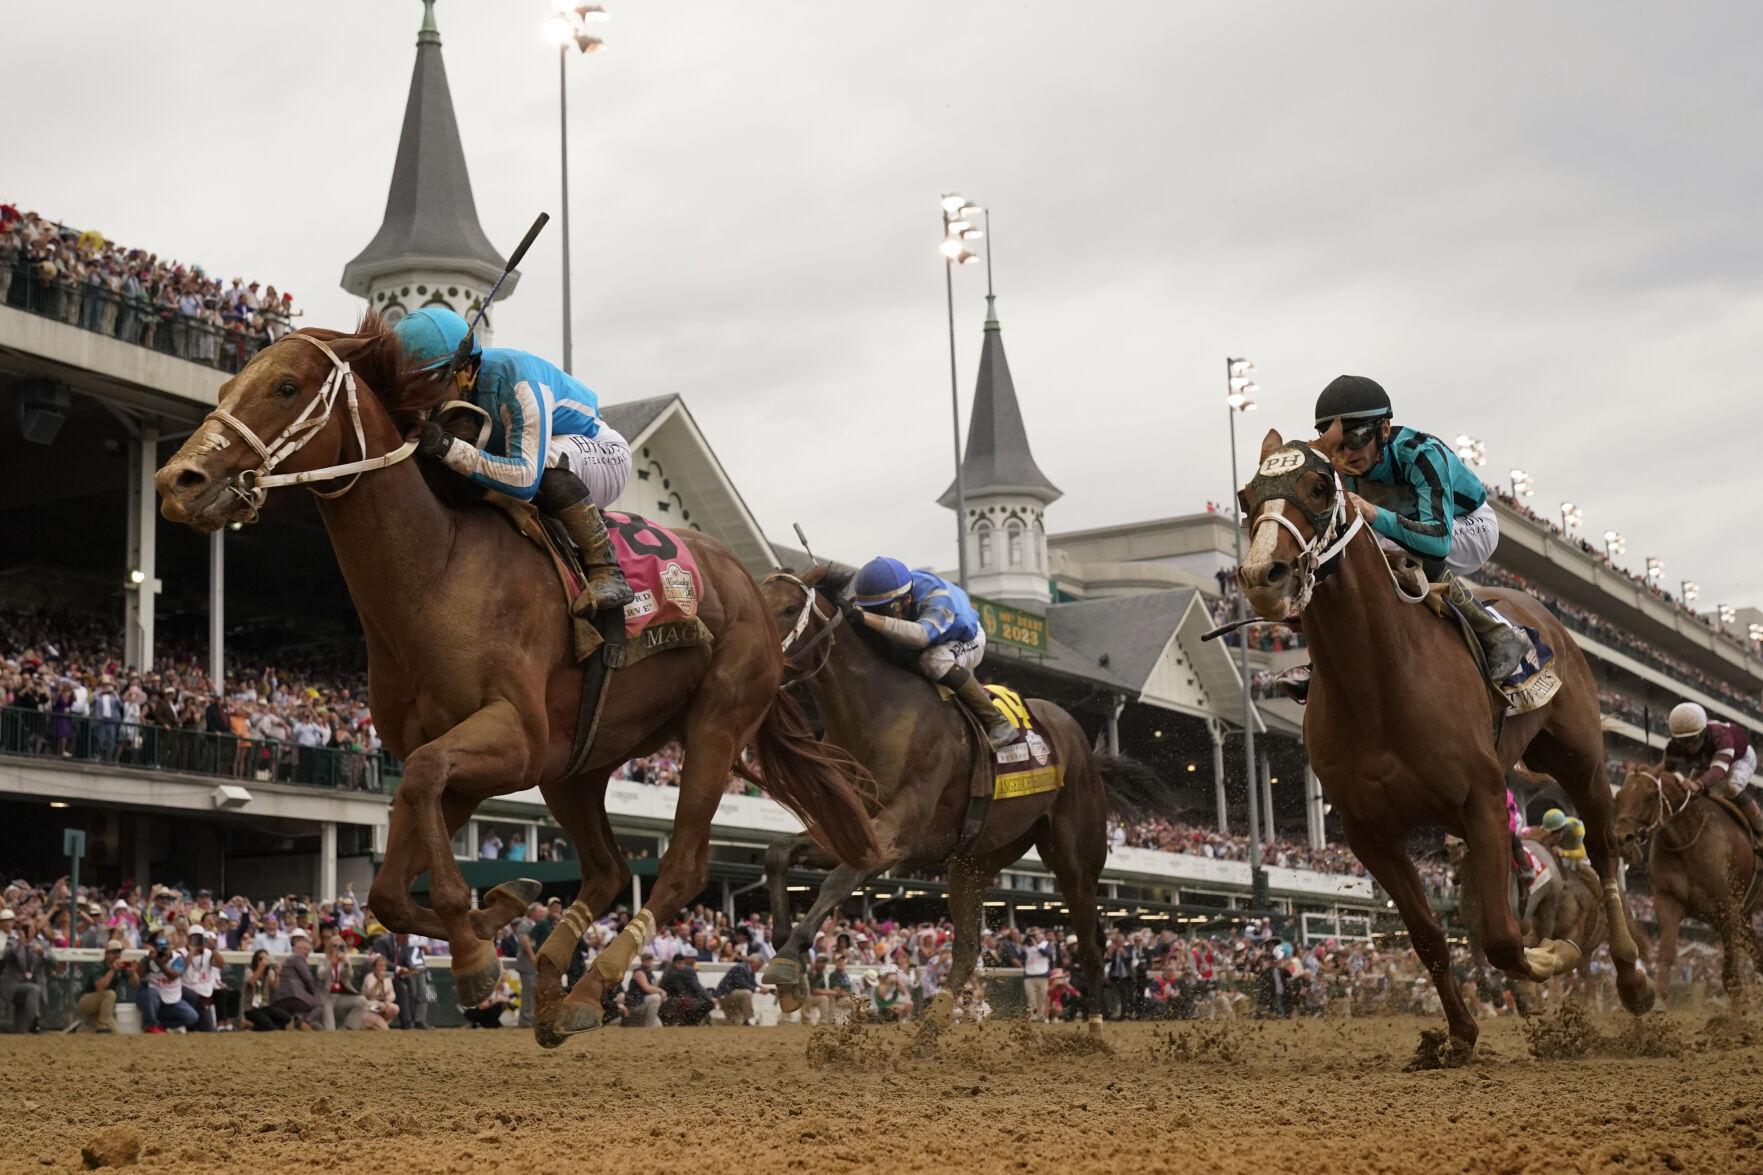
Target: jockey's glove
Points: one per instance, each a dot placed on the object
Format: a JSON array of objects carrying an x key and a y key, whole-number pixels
[{"x": 435, "y": 441}]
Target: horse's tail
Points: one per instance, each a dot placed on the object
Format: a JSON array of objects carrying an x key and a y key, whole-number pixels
[
  {"x": 1134, "y": 790},
  {"x": 821, "y": 783}
]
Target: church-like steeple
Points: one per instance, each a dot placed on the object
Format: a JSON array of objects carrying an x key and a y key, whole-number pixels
[
  {"x": 1006, "y": 491},
  {"x": 430, "y": 249}
]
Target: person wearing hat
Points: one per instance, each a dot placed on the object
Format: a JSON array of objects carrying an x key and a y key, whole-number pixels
[
  {"x": 161, "y": 995},
  {"x": 296, "y": 990},
  {"x": 1714, "y": 756},
  {"x": 103, "y": 987},
  {"x": 1416, "y": 493},
  {"x": 547, "y": 442},
  {"x": 107, "y": 715},
  {"x": 21, "y": 960},
  {"x": 1566, "y": 835}
]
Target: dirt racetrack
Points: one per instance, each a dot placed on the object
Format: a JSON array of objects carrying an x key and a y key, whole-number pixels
[{"x": 1681, "y": 1094}]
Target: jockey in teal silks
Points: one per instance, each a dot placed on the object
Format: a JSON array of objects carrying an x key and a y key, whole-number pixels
[
  {"x": 1419, "y": 498},
  {"x": 923, "y": 611},
  {"x": 547, "y": 443}
]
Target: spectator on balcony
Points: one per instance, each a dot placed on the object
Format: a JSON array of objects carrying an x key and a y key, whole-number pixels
[
  {"x": 107, "y": 711},
  {"x": 490, "y": 847}
]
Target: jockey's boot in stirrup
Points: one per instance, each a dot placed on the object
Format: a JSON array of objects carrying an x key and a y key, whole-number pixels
[
  {"x": 979, "y": 703},
  {"x": 1753, "y": 812},
  {"x": 1504, "y": 646},
  {"x": 1294, "y": 683},
  {"x": 563, "y": 496}
]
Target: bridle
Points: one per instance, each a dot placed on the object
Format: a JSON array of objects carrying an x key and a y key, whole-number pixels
[
  {"x": 1664, "y": 813},
  {"x": 810, "y": 602},
  {"x": 252, "y": 486},
  {"x": 1319, "y": 554}
]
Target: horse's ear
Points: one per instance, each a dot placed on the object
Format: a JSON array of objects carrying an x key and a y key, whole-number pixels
[
  {"x": 1329, "y": 443},
  {"x": 815, "y": 574},
  {"x": 1270, "y": 442}
]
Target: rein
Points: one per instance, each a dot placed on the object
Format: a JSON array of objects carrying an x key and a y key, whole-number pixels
[
  {"x": 252, "y": 486},
  {"x": 1664, "y": 813},
  {"x": 810, "y": 598}
]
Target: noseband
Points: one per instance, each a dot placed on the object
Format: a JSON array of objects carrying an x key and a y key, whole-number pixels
[
  {"x": 1317, "y": 555},
  {"x": 810, "y": 597},
  {"x": 252, "y": 486},
  {"x": 1662, "y": 812}
]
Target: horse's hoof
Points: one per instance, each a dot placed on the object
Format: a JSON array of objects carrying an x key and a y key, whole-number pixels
[
  {"x": 577, "y": 1017},
  {"x": 792, "y": 996},
  {"x": 1552, "y": 956},
  {"x": 547, "y": 1037},
  {"x": 1638, "y": 996},
  {"x": 523, "y": 890},
  {"x": 473, "y": 986}
]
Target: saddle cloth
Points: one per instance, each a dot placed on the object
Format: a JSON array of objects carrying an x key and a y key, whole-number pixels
[
  {"x": 1029, "y": 765},
  {"x": 1535, "y": 681},
  {"x": 662, "y": 572}
]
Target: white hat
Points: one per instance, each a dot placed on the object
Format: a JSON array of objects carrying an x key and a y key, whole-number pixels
[
  {"x": 297, "y": 933},
  {"x": 5, "y": 914},
  {"x": 1687, "y": 719}
]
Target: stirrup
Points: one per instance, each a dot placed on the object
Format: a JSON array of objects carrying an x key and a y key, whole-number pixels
[
  {"x": 602, "y": 593},
  {"x": 1294, "y": 683}
]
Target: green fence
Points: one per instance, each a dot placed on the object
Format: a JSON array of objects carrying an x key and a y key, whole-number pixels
[{"x": 138, "y": 746}]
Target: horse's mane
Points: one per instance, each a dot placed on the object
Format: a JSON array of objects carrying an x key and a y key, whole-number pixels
[
  {"x": 408, "y": 394},
  {"x": 373, "y": 350}
]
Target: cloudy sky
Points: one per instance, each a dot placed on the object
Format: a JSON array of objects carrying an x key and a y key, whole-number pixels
[{"x": 1534, "y": 223}]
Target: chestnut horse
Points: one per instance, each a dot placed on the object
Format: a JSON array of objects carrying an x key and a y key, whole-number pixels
[
  {"x": 1400, "y": 729},
  {"x": 471, "y": 671},
  {"x": 920, "y": 752},
  {"x": 1701, "y": 863}
]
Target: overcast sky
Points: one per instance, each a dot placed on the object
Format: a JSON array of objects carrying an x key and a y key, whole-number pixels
[{"x": 1534, "y": 223}]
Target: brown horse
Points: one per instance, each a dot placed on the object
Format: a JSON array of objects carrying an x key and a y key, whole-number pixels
[
  {"x": 1400, "y": 728},
  {"x": 920, "y": 752},
  {"x": 471, "y": 671},
  {"x": 1701, "y": 863}
]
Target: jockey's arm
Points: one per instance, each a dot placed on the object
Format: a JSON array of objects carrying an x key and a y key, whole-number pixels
[
  {"x": 524, "y": 411},
  {"x": 1429, "y": 534},
  {"x": 1725, "y": 751},
  {"x": 899, "y": 630},
  {"x": 936, "y": 616}
]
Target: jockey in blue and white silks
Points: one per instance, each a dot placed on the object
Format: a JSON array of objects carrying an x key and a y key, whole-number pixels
[
  {"x": 547, "y": 443},
  {"x": 924, "y": 611}
]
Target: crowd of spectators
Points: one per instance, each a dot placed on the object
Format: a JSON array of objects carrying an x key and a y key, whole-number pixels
[
  {"x": 130, "y": 294},
  {"x": 68, "y": 694},
  {"x": 1588, "y": 623}
]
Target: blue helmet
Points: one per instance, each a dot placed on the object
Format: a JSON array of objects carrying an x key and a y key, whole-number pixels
[
  {"x": 431, "y": 336},
  {"x": 880, "y": 582}
]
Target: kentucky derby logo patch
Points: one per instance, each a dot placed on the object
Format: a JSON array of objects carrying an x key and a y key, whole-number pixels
[{"x": 677, "y": 586}]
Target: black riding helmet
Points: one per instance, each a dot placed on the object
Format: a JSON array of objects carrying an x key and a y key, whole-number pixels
[{"x": 1360, "y": 404}]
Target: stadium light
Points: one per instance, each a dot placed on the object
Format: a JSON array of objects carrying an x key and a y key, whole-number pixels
[
  {"x": 1727, "y": 615},
  {"x": 569, "y": 26},
  {"x": 1571, "y": 516},
  {"x": 1757, "y": 634},
  {"x": 958, "y": 213},
  {"x": 1520, "y": 484},
  {"x": 137, "y": 577},
  {"x": 1238, "y": 388},
  {"x": 1613, "y": 543},
  {"x": 1471, "y": 451},
  {"x": 1655, "y": 570},
  {"x": 1690, "y": 591}
]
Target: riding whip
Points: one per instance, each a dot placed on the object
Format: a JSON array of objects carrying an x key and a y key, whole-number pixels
[
  {"x": 804, "y": 541},
  {"x": 464, "y": 352}
]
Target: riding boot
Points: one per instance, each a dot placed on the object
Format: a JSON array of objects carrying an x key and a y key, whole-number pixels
[
  {"x": 1294, "y": 683},
  {"x": 1504, "y": 646},
  {"x": 563, "y": 496},
  {"x": 979, "y": 703},
  {"x": 1753, "y": 812}
]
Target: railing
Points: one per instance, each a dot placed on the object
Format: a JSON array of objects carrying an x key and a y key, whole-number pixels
[
  {"x": 141, "y": 320},
  {"x": 140, "y": 746}
]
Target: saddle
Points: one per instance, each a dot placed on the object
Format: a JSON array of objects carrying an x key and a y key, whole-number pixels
[
  {"x": 664, "y": 615},
  {"x": 1026, "y": 766}
]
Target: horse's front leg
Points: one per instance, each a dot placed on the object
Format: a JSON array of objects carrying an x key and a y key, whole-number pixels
[{"x": 471, "y": 761}]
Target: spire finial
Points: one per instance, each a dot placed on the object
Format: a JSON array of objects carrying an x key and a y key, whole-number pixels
[
  {"x": 991, "y": 312},
  {"x": 431, "y": 33}
]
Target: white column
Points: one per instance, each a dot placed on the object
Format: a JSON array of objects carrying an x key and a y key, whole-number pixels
[
  {"x": 1313, "y": 807},
  {"x": 217, "y": 609},
  {"x": 1216, "y": 729},
  {"x": 1114, "y": 724},
  {"x": 637, "y": 893},
  {"x": 143, "y": 535},
  {"x": 327, "y": 861},
  {"x": 1266, "y": 773}
]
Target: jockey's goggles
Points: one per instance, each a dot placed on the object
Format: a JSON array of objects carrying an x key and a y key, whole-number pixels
[{"x": 1356, "y": 435}]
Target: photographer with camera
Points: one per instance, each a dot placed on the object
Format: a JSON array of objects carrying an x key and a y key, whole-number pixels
[
  {"x": 97, "y": 1002},
  {"x": 161, "y": 998},
  {"x": 202, "y": 978},
  {"x": 21, "y": 961}
]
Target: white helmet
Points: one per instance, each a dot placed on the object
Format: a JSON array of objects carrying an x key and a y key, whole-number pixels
[{"x": 1687, "y": 720}]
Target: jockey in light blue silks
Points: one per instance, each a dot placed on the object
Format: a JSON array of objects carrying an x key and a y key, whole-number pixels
[
  {"x": 922, "y": 611},
  {"x": 547, "y": 443}
]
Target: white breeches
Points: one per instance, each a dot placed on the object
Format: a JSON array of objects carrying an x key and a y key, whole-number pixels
[
  {"x": 603, "y": 461},
  {"x": 1739, "y": 777},
  {"x": 936, "y": 661},
  {"x": 1473, "y": 539}
]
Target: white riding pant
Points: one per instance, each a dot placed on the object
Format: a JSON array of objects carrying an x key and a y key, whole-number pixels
[
  {"x": 1473, "y": 538},
  {"x": 1739, "y": 777},
  {"x": 936, "y": 661},
  {"x": 602, "y": 461}
]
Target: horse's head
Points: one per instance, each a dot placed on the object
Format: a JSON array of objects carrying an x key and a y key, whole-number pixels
[
  {"x": 1296, "y": 513},
  {"x": 805, "y": 609},
  {"x": 290, "y": 417},
  {"x": 1640, "y": 810}
]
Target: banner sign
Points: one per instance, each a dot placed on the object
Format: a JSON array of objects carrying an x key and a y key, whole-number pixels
[{"x": 1012, "y": 626}]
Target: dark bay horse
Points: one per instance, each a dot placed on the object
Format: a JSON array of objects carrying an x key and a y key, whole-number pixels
[
  {"x": 1702, "y": 866},
  {"x": 920, "y": 753},
  {"x": 471, "y": 672},
  {"x": 1399, "y": 726}
]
